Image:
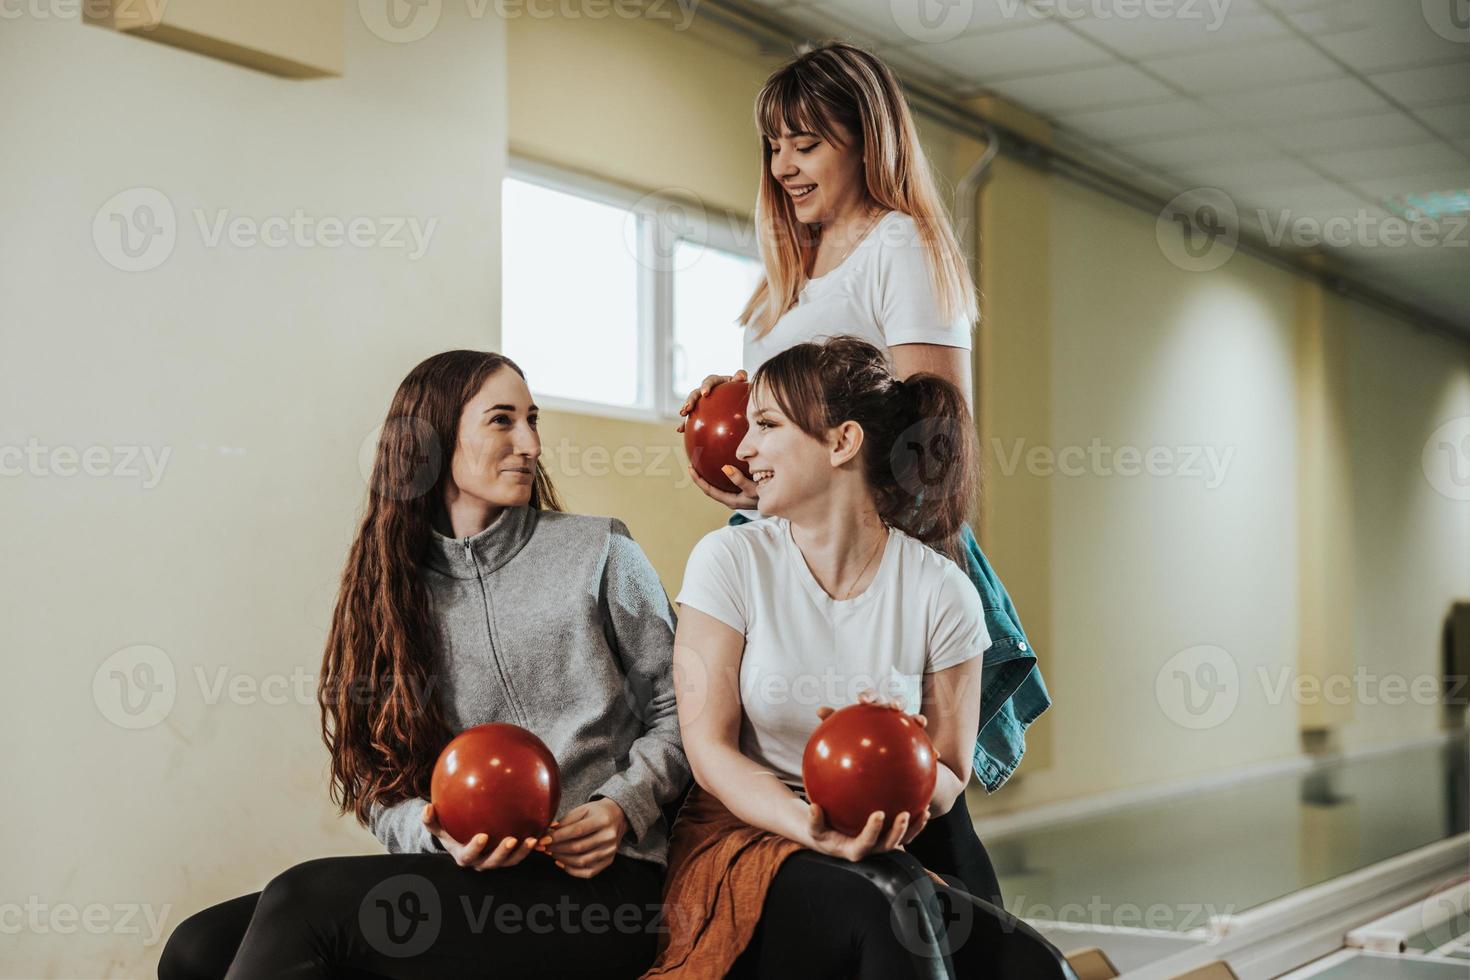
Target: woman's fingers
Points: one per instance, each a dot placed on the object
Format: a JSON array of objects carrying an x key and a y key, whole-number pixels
[
  {"x": 469, "y": 852},
  {"x": 748, "y": 487},
  {"x": 584, "y": 845},
  {"x": 824, "y": 712},
  {"x": 872, "y": 830},
  {"x": 509, "y": 851},
  {"x": 731, "y": 500},
  {"x": 895, "y": 834},
  {"x": 917, "y": 826}
]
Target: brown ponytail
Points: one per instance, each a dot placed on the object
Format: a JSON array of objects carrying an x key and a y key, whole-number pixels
[{"x": 918, "y": 454}]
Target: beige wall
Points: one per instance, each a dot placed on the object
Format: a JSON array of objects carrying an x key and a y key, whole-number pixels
[
  {"x": 1411, "y": 542},
  {"x": 261, "y": 371}
]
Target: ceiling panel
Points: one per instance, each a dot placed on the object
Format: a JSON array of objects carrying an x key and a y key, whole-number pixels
[
  {"x": 1161, "y": 36},
  {"x": 1250, "y": 67},
  {"x": 1039, "y": 49},
  {"x": 1447, "y": 120},
  {"x": 1346, "y": 132},
  {"x": 1215, "y": 145},
  {"x": 1310, "y": 100},
  {"x": 1426, "y": 86},
  {"x": 1390, "y": 161},
  {"x": 1092, "y": 88},
  {"x": 1397, "y": 35},
  {"x": 1122, "y": 126}
]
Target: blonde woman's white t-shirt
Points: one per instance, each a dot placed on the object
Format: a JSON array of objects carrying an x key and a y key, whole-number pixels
[
  {"x": 804, "y": 649},
  {"x": 882, "y": 292}
]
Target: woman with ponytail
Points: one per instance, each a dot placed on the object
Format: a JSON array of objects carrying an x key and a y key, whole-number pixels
[
  {"x": 846, "y": 591},
  {"x": 470, "y": 597}
]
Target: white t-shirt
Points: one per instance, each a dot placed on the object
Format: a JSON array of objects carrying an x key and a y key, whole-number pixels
[
  {"x": 882, "y": 292},
  {"x": 804, "y": 649}
]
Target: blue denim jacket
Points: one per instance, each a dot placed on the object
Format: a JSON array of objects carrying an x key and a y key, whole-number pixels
[{"x": 1012, "y": 693}]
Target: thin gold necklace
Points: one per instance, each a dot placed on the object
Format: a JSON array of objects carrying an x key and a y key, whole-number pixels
[{"x": 876, "y": 549}]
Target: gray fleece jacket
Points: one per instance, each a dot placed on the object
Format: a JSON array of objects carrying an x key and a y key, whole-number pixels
[{"x": 557, "y": 623}]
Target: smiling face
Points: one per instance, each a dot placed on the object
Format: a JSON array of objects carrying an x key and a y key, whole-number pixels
[
  {"x": 791, "y": 468},
  {"x": 498, "y": 447},
  {"x": 822, "y": 178}
]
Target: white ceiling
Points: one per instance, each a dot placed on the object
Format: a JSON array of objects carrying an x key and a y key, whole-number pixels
[{"x": 1309, "y": 108}]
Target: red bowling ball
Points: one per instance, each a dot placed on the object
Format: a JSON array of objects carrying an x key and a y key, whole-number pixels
[
  {"x": 868, "y": 757},
  {"x": 495, "y": 779},
  {"x": 713, "y": 431}
]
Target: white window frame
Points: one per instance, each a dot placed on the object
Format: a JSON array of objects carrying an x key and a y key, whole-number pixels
[{"x": 719, "y": 230}]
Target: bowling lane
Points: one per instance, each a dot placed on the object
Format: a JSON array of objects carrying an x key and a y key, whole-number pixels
[{"x": 1173, "y": 864}]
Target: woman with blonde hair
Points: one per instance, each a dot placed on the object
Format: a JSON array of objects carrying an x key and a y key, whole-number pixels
[{"x": 855, "y": 241}]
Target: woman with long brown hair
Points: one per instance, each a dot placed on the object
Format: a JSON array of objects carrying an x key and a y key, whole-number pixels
[
  {"x": 855, "y": 241},
  {"x": 470, "y": 597}
]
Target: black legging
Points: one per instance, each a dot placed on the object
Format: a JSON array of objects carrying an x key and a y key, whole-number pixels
[
  {"x": 949, "y": 847},
  {"x": 414, "y": 916}
]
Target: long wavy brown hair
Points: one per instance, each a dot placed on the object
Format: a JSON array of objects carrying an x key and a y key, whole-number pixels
[{"x": 381, "y": 717}]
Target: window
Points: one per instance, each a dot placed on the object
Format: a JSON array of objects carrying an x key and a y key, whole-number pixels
[{"x": 618, "y": 304}]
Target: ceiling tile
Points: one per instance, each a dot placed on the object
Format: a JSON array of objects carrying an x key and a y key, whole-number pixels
[
  {"x": 1317, "y": 198},
  {"x": 1216, "y": 145},
  {"x": 1091, "y": 88},
  {"x": 1449, "y": 120},
  {"x": 1426, "y": 86},
  {"x": 1249, "y": 67},
  {"x": 1036, "y": 50},
  {"x": 1142, "y": 122},
  {"x": 1397, "y": 35},
  {"x": 1455, "y": 178},
  {"x": 1304, "y": 100},
  {"x": 1254, "y": 174},
  {"x": 1390, "y": 161},
  {"x": 1376, "y": 129},
  {"x": 1158, "y": 36},
  {"x": 900, "y": 21}
]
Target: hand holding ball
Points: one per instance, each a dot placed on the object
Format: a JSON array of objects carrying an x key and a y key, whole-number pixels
[
  {"x": 865, "y": 758},
  {"x": 714, "y": 430},
  {"x": 495, "y": 779}
]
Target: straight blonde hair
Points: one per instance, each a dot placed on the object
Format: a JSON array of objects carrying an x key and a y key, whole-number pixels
[{"x": 834, "y": 83}]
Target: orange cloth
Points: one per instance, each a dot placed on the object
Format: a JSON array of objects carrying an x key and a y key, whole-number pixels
[{"x": 720, "y": 869}]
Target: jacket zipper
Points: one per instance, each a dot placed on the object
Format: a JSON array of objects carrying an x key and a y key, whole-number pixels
[{"x": 490, "y": 636}]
